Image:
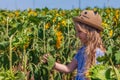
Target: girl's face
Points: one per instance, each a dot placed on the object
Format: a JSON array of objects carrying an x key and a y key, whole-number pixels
[{"x": 80, "y": 34}]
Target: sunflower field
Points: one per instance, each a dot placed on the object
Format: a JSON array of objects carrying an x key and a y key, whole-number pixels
[{"x": 25, "y": 36}]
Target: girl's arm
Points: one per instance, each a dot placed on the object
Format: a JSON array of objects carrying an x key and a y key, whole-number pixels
[{"x": 66, "y": 68}]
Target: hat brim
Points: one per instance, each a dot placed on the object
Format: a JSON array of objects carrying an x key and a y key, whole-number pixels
[{"x": 88, "y": 22}]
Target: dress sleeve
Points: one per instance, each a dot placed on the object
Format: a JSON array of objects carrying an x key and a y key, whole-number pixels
[
  {"x": 99, "y": 53},
  {"x": 76, "y": 56}
]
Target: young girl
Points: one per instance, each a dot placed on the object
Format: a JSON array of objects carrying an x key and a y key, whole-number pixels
[{"x": 88, "y": 28}]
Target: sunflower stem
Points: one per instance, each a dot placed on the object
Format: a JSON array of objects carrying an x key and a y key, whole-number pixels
[{"x": 44, "y": 37}]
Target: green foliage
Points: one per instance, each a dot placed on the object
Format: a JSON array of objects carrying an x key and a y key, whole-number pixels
[
  {"x": 51, "y": 62},
  {"x": 7, "y": 75},
  {"x": 4, "y": 45},
  {"x": 117, "y": 57},
  {"x": 103, "y": 72},
  {"x": 37, "y": 32}
]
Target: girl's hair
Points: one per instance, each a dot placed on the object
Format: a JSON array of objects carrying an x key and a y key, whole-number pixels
[{"x": 93, "y": 41}]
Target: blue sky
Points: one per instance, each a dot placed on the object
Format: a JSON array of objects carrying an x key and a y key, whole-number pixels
[{"x": 64, "y": 4}]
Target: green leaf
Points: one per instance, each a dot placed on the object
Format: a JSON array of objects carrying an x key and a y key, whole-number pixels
[
  {"x": 57, "y": 77},
  {"x": 20, "y": 75},
  {"x": 1, "y": 77},
  {"x": 117, "y": 57},
  {"x": 107, "y": 73},
  {"x": 109, "y": 51},
  {"x": 44, "y": 73},
  {"x": 19, "y": 27},
  {"x": 12, "y": 31},
  {"x": 117, "y": 73},
  {"x": 4, "y": 45},
  {"x": 51, "y": 62},
  {"x": 102, "y": 58},
  {"x": 98, "y": 72},
  {"x": 101, "y": 74}
]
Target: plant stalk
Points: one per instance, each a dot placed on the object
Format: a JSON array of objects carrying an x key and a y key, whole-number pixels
[
  {"x": 114, "y": 69},
  {"x": 7, "y": 27},
  {"x": 44, "y": 37},
  {"x": 25, "y": 61},
  {"x": 68, "y": 36},
  {"x": 10, "y": 53}
]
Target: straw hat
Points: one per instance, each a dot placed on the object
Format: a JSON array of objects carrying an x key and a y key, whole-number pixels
[{"x": 90, "y": 18}]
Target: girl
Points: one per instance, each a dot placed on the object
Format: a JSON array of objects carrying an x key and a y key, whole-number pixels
[{"x": 88, "y": 28}]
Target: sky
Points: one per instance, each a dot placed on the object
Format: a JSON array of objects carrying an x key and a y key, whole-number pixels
[{"x": 63, "y": 4}]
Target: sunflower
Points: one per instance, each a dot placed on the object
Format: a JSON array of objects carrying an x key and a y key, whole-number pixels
[
  {"x": 63, "y": 22},
  {"x": 32, "y": 12},
  {"x": 47, "y": 25},
  {"x": 111, "y": 33},
  {"x": 59, "y": 39}
]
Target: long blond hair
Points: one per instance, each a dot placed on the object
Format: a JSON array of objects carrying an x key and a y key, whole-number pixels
[{"x": 93, "y": 42}]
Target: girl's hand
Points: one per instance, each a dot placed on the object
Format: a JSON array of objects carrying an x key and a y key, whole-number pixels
[{"x": 45, "y": 58}]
